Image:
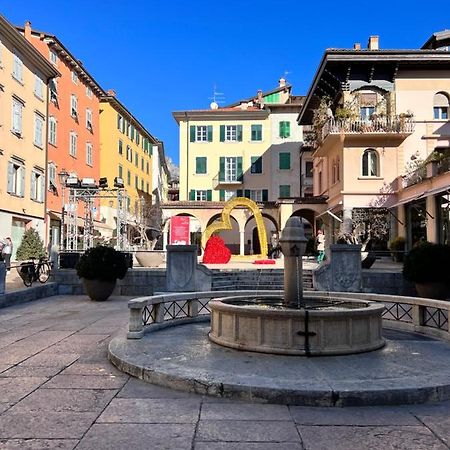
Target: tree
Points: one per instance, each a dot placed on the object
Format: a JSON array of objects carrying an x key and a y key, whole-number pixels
[{"x": 31, "y": 246}]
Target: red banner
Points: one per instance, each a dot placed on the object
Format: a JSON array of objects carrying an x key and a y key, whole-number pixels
[{"x": 179, "y": 230}]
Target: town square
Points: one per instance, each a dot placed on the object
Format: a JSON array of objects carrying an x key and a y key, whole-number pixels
[{"x": 224, "y": 226}]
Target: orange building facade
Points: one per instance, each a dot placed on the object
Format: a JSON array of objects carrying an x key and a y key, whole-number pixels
[{"x": 73, "y": 127}]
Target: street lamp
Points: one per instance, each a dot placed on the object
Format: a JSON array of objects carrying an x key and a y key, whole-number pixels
[{"x": 63, "y": 176}]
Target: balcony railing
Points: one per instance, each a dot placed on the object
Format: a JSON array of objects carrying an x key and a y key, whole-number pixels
[
  {"x": 415, "y": 177},
  {"x": 221, "y": 179},
  {"x": 443, "y": 165},
  {"x": 380, "y": 125}
]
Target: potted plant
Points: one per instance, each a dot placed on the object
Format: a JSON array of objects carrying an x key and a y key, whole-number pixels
[
  {"x": 427, "y": 266},
  {"x": 99, "y": 267},
  {"x": 397, "y": 247}
]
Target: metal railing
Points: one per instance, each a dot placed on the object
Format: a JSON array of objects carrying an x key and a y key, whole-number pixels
[
  {"x": 422, "y": 315},
  {"x": 380, "y": 125},
  {"x": 415, "y": 177}
]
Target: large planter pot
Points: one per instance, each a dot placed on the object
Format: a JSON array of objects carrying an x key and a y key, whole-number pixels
[
  {"x": 436, "y": 290},
  {"x": 99, "y": 290},
  {"x": 149, "y": 258}
]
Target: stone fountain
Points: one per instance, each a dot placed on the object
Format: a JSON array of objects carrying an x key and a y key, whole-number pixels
[{"x": 297, "y": 324}]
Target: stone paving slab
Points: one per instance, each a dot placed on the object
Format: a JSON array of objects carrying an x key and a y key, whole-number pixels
[
  {"x": 369, "y": 438},
  {"x": 243, "y": 411},
  {"x": 386, "y": 376},
  {"x": 38, "y": 444},
  {"x": 248, "y": 446},
  {"x": 14, "y": 389},
  {"x": 86, "y": 382}
]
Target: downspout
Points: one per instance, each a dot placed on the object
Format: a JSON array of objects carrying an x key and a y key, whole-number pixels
[
  {"x": 46, "y": 216},
  {"x": 187, "y": 156},
  {"x": 300, "y": 171}
]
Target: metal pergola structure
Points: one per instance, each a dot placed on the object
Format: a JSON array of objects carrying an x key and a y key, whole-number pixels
[{"x": 88, "y": 195}]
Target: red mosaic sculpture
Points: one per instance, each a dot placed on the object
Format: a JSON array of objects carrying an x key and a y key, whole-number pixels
[{"x": 216, "y": 252}]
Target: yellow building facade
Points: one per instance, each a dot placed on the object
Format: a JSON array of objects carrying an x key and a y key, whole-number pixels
[
  {"x": 126, "y": 149},
  {"x": 24, "y": 78}
]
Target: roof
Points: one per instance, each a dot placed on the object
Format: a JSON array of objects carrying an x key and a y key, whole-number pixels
[
  {"x": 338, "y": 65},
  {"x": 438, "y": 39},
  {"x": 120, "y": 108},
  {"x": 221, "y": 114},
  {"x": 26, "y": 49},
  {"x": 264, "y": 94},
  {"x": 55, "y": 44}
]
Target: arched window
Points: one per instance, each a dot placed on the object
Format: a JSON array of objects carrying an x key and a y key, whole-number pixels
[
  {"x": 441, "y": 106},
  {"x": 370, "y": 166}
]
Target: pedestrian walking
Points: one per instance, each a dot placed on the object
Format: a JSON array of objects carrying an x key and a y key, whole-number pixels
[
  {"x": 320, "y": 240},
  {"x": 7, "y": 250}
]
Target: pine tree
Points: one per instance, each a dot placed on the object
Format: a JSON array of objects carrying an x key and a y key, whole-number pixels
[{"x": 31, "y": 246}]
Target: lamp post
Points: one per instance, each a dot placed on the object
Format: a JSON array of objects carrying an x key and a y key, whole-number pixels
[{"x": 63, "y": 175}]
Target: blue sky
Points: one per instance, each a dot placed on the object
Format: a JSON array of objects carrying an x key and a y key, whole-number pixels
[{"x": 163, "y": 56}]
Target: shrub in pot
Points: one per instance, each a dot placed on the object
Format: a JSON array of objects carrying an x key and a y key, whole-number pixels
[
  {"x": 427, "y": 266},
  {"x": 397, "y": 246},
  {"x": 99, "y": 267}
]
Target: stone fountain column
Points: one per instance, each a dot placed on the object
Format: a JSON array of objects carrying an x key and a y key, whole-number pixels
[{"x": 293, "y": 246}]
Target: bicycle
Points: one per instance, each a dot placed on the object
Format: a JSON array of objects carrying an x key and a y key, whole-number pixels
[{"x": 30, "y": 271}]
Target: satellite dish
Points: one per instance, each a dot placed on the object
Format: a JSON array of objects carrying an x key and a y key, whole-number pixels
[{"x": 214, "y": 105}]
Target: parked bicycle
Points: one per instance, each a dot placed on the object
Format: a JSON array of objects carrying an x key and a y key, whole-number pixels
[{"x": 31, "y": 271}]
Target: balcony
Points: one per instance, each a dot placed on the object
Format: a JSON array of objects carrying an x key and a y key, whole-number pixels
[
  {"x": 415, "y": 177},
  {"x": 443, "y": 165},
  {"x": 227, "y": 181}
]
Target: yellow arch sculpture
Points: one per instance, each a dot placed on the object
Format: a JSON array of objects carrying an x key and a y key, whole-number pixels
[{"x": 225, "y": 224}]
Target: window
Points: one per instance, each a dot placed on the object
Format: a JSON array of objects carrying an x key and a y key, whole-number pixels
[
  {"x": 138, "y": 138},
  {"x": 88, "y": 92},
  {"x": 136, "y": 182},
  {"x": 16, "y": 178},
  {"x": 256, "y": 195},
  {"x": 53, "y": 57},
  {"x": 129, "y": 154},
  {"x": 284, "y": 160},
  {"x": 230, "y": 133},
  {"x": 201, "y": 196},
  {"x": 226, "y": 195},
  {"x": 52, "y": 130},
  {"x": 230, "y": 169},
  {"x": 285, "y": 129},
  {"x": 53, "y": 87},
  {"x": 142, "y": 164},
  {"x": 37, "y": 186},
  {"x": 132, "y": 132},
  {"x": 74, "y": 76},
  {"x": 38, "y": 86},
  {"x": 120, "y": 122},
  {"x": 38, "y": 130},
  {"x": 256, "y": 164},
  {"x": 89, "y": 154},
  {"x": 74, "y": 106},
  {"x": 51, "y": 171},
  {"x": 120, "y": 147},
  {"x": 200, "y": 165},
  {"x": 365, "y": 112},
  {"x": 120, "y": 171},
  {"x": 370, "y": 163},
  {"x": 129, "y": 178},
  {"x": 147, "y": 168},
  {"x": 89, "y": 120},
  {"x": 200, "y": 133},
  {"x": 142, "y": 184},
  {"x": 256, "y": 133},
  {"x": 148, "y": 188},
  {"x": 17, "y": 68},
  {"x": 285, "y": 191},
  {"x": 17, "y": 110},
  {"x": 127, "y": 127},
  {"x": 308, "y": 169},
  {"x": 73, "y": 144},
  {"x": 441, "y": 106},
  {"x": 136, "y": 159}
]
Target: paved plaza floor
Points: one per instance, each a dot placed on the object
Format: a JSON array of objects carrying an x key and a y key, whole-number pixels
[{"x": 58, "y": 390}]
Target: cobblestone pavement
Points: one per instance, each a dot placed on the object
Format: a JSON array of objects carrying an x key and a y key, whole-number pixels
[{"x": 58, "y": 390}]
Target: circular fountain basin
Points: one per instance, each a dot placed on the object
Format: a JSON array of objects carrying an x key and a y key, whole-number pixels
[{"x": 326, "y": 326}]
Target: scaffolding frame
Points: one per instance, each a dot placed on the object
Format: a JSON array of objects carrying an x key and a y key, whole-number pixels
[{"x": 88, "y": 196}]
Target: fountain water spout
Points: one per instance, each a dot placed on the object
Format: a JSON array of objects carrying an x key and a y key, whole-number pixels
[{"x": 293, "y": 246}]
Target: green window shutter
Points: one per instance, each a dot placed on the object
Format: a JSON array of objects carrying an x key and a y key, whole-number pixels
[
  {"x": 238, "y": 193},
  {"x": 239, "y": 168},
  {"x": 132, "y": 132},
  {"x": 192, "y": 194},
  {"x": 200, "y": 164},
  {"x": 209, "y": 195},
  {"x": 284, "y": 160},
  {"x": 287, "y": 129},
  {"x": 222, "y": 133},
  {"x": 222, "y": 195},
  {"x": 210, "y": 133},
  {"x": 247, "y": 193},
  {"x": 265, "y": 195},
  {"x": 222, "y": 168},
  {"x": 281, "y": 132},
  {"x": 192, "y": 133},
  {"x": 256, "y": 133},
  {"x": 285, "y": 191},
  {"x": 239, "y": 133}
]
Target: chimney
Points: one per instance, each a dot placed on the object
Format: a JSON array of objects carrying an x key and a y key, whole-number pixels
[
  {"x": 260, "y": 96},
  {"x": 357, "y": 46},
  {"x": 282, "y": 82},
  {"x": 373, "y": 43},
  {"x": 27, "y": 30},
  {"x": 111, "y": 92}
]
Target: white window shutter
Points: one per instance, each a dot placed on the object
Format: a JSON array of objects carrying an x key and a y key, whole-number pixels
[
  {"x": 41, "y": 188},
  {"x": 22, "y": 182},
  {"x": 10, "y": 188}
]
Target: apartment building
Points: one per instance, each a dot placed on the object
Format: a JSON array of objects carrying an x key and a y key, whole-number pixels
[
  {"x": 73, "y": 129},
  {"x": 381, "y": 138},
  {"x": 24, "y": 79}
]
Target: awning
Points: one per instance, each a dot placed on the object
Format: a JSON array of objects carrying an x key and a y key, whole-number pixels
[
  {"x": 328, "y": 211},
  {"x": 407, "y": 200}
]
